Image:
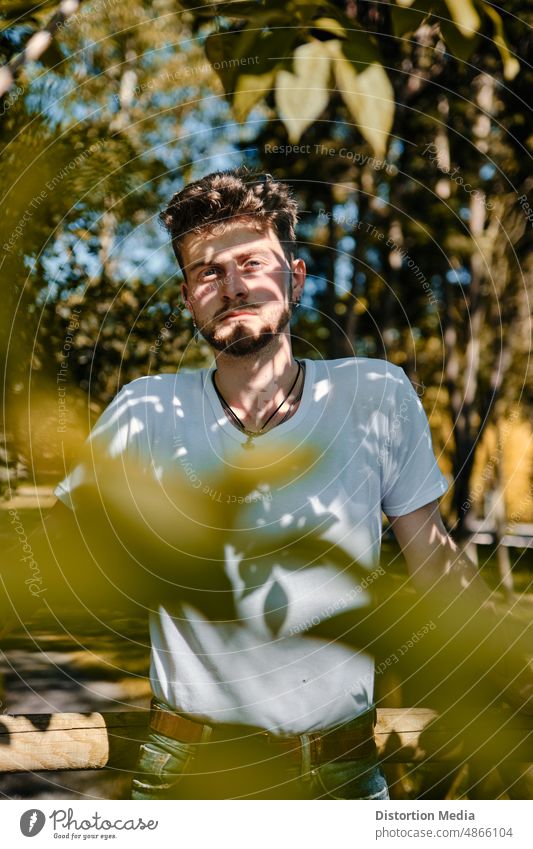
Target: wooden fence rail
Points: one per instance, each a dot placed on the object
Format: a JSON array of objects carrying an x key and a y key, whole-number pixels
[{"x": 61, "y": 741}]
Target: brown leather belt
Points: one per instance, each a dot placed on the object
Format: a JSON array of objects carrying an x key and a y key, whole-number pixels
[{"x": 350, "y": 741}]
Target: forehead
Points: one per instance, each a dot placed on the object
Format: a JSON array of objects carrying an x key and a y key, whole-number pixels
[{"x": 207, "y": 246}]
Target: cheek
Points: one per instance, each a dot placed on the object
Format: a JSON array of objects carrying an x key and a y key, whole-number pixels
[
  {"x": 193, "y": 300},
  {"x": 204, "y": 295}
]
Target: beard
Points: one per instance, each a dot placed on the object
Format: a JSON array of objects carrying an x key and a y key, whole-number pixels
[{"x": 240, "y": 341}]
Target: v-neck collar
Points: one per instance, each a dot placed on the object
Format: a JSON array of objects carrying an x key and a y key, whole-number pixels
[{"x": 224, "y": 422}]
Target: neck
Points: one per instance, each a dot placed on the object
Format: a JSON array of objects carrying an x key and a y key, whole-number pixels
[{"x": 254, "y": 385}]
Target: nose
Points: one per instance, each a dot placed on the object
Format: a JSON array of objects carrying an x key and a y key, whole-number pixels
[{"x": 233, "y": 284}]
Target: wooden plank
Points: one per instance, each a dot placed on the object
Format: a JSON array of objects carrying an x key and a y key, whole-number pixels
[
  {"x": 517, "y": 541},
  {"x": 508, "y": 540},
  {"x": 70, "y": 740},
  {"x": 65, "y": 741},
  {"x": 410, "y": 735}
]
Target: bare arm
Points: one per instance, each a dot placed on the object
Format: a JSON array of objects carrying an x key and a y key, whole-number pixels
[
  {"x": 473, "y": 621},
  {"x": 433, "y": 559}
]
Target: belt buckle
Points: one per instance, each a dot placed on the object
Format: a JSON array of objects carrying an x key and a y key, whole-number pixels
[{"x": 291, "y": 746}]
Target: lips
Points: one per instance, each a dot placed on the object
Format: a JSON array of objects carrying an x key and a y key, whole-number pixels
[{"x": 236, "y": 313}]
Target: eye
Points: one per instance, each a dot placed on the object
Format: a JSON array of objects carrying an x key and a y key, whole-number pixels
[
  {"x": 208, "y": 274},
  {"x": 252, "y": 264}
]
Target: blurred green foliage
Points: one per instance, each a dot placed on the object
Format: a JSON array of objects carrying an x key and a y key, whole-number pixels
[{"x": 418, "y": 251}]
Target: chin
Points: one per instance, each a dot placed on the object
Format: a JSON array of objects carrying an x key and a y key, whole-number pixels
[
  {"x": 246, "y": 345},
  {"x": 239, "y": 340}
]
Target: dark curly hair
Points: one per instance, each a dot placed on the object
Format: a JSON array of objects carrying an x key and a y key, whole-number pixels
[{"x": 223, "y": 196}]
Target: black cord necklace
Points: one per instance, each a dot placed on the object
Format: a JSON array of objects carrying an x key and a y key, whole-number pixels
[{"x": 251, "y": 434}]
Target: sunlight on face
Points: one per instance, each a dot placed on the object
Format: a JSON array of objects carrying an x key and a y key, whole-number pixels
[{"x": 238, "y": 287}]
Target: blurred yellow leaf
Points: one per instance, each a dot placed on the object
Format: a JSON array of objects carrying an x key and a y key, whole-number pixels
[
  {"x": 511, "y": 65},
  {"x": 464, "y": 16},
  {"x": 250, "y": 89},
  {"x": 368, "y": 94},
  {"x": 302, "y": 96}
]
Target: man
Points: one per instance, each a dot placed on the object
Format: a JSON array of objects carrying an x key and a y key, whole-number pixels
[
  {"x": 261, "y": 705},
  {"x": 233, "y": 235}
]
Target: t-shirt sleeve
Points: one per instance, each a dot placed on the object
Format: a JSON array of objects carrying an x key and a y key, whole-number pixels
[
  {"x": 411, "y": 476},
  {"x": 108, "y": 438}
]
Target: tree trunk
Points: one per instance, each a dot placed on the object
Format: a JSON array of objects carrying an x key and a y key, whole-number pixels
[{"x": 462, "y": 378}]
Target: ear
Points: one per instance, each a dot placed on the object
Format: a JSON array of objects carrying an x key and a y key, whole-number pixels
[
  {"x": 299, "y": 273},
  {"x": 185, "y": 295}
]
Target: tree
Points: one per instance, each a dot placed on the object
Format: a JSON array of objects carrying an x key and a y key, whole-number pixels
[
  {"x": 89, "y": 156},
  {"x": 429, "y": 243}
]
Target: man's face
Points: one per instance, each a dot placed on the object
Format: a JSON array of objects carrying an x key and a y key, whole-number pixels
[{"x": 239, "y": 286}]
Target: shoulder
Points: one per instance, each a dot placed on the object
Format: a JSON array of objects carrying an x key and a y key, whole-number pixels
[
  {"x": 147, "y": 404},
  {"x": 156, "y": 393},
  {"x": 161, "y": 386},
  {"x": 364, "y": 374}
]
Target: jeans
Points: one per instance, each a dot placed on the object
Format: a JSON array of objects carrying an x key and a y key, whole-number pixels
[{"x": 246, "y": 768}]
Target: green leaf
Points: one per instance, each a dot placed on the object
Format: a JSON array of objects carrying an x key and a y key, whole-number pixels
[
  {"x": 303, "y": 95},
  {"x": 456, "y": 42},
  {"x": 251, "y": 88},
  {"x": 259, "y": 14},
  {"x": 270, "y": 50},
  {"x": 22, "y": 11},
  {"x": 228, "y": 51},
  {"x": 330, "y": 25},
  {"x": 366, "y": 90},
  {"x": 465, "y": 17},
  {"x": 360, "y": 49},
  {"x": 406, "y": 19},
  {"x": 238, "y": 9}
]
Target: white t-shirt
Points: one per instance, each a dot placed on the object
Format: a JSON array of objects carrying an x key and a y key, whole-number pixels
[{"x": 368, "y": 425}]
